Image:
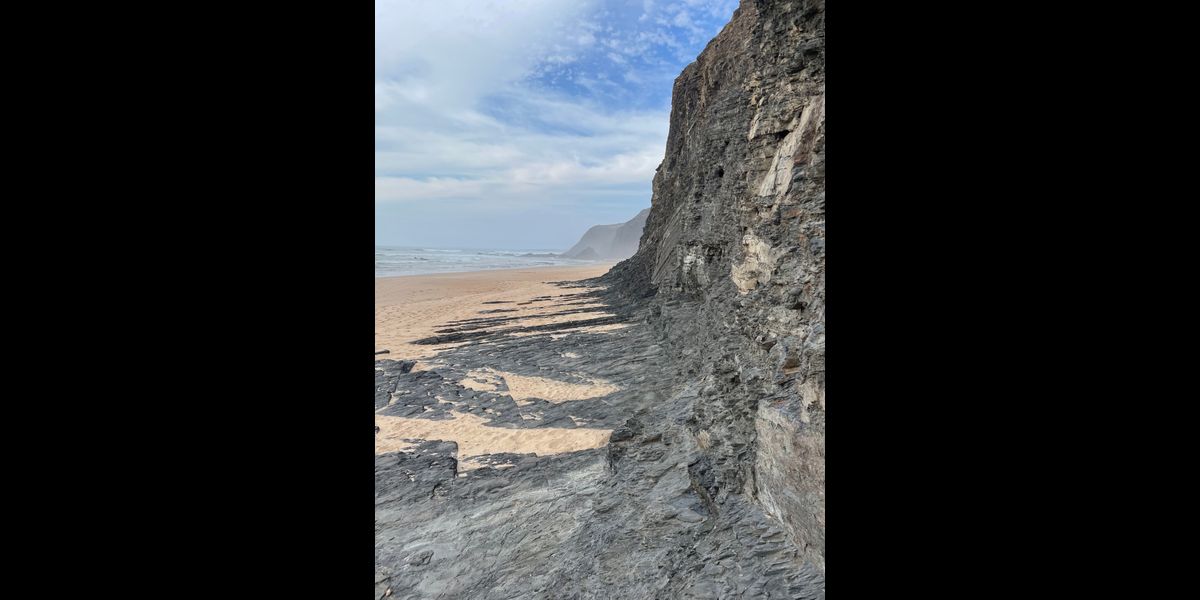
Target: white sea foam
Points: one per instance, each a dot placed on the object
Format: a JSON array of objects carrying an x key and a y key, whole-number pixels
[{"x": 395, "y": 260}]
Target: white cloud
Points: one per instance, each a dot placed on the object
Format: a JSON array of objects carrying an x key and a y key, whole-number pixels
[
  {"x": 510, "y": 165},
  {"x": 458, "y": 51},
  {"x": 461, "y": 126},
  {"x": 442, "y": 67}
]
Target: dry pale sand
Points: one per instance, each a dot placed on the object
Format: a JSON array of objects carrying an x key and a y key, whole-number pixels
[
  {"x": 475, "y": 437},
  {"x": 522, "y": 388},
  {"x": 412, "y": 307}
]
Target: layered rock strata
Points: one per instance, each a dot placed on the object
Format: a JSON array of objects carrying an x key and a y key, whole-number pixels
[{"x": 709, "y": 481}]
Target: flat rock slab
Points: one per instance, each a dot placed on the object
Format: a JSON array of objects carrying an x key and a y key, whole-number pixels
[{"x": 609, "y": 522}]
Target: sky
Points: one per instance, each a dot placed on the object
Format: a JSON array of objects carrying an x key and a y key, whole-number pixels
[{"x": 518, "y": 124}]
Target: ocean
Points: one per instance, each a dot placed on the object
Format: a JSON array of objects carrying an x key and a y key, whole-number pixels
[{"x": 395, "y": 260}]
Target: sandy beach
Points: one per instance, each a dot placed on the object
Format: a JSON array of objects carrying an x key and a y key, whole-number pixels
[
  {"x": 410, "y": 308},
  {"x": 414, "y": 306}
]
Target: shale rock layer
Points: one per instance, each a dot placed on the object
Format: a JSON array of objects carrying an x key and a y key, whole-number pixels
[
  {"x": 710, "y": 345},
  {"x": 733, "y": 258}
]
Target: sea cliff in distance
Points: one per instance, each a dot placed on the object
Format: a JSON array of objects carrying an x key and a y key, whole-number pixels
[
  {"x": 601, "y": 243},
  {"x": 610, "y": 242}
]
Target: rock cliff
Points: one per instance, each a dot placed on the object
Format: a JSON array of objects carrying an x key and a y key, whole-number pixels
[
  {"x": 733, "y": 256},
  {"x": 610, "y": 242}
]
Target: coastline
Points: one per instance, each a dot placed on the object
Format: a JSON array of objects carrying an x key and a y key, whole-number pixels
[
  {"x": 605, "y": 264},
  {"x": 542, "y": 430}
]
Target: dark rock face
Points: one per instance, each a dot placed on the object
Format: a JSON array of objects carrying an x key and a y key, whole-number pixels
[
  {"x": 611, "y": 242},
  {"x": 712, "y": 484},
  {"x": 733, "y": 254}
]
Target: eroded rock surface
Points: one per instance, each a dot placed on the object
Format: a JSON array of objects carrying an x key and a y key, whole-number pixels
[
  {"x": 709, "y": 342},
  {"x": 733, "y": 258}
]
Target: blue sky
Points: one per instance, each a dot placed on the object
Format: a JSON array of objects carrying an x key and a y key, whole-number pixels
[{"x": 521, "y": 123}]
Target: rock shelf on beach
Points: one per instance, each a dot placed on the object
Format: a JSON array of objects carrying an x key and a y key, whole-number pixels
[{"x": 657, "y": 432}]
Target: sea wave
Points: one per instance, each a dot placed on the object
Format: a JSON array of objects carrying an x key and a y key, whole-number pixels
[{"x": 397, "y": 260}]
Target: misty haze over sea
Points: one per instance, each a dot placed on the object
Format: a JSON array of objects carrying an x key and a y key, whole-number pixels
[{"x": 391, "y": 261}]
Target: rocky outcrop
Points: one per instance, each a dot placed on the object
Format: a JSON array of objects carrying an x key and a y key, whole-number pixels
[
  {"x": 610, "y": 242},
  {"x": 712, "y": 481},
  {"x": 732, "y": 259},
  {"x": 644, "y": 516}
]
